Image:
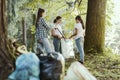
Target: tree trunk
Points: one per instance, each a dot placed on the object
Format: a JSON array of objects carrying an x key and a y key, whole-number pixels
[
  {"x": 5, "y": 57},
  {"x": 24, "y": 32},
  {"x": 95, "y": 25}
]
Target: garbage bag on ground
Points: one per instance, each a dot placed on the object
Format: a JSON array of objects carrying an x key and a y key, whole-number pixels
[
  {"x": 52, "y": 67},
  {"x": 67, "y": 48},
  {"x": 27, "y": 67},
  {"x": 78, "y": 72}
]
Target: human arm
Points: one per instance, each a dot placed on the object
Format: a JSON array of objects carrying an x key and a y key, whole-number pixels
[
  {"x": 54, "y": 35},
  {"x": 75, "y": 33}
]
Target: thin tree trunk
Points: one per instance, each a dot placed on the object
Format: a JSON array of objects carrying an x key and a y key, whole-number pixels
[
  {"x": 24, "y": 32},
  {"x": 95, "y": 25}
]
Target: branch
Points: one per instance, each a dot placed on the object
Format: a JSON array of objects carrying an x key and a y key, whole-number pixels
[{"x": 79, "y": 3}]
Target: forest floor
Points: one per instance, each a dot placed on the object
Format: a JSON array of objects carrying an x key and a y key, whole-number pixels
[{"x": 104, "y": 66}]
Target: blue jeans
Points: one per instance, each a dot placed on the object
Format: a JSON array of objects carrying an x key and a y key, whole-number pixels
[
  {"x": 44, "y": 43},
  {"x": 57, "y": 45},
  {"x": 80, "y": 46}
]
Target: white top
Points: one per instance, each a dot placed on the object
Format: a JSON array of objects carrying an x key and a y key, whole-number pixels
[
  {"x": 58, "y": 30},
  {"x": 80, "y": 31}
]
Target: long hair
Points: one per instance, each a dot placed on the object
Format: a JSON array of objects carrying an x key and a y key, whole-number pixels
[
  {"x": 81, "y": 21},
  {"x": 39, "y": 14},
  {"x": 54, "y": 21}
]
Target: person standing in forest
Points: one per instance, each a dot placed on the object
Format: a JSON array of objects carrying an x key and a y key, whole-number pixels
[
  {"x": 79, "y": 37},
  {"x": 42, "y": 32},
  {"x": 57, "y": 34}
]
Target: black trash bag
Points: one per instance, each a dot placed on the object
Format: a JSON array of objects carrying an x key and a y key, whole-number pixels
[{"x": 52, "y": 67}]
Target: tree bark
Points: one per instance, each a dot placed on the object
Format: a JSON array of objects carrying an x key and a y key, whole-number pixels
[
  {"x": 24, "y": 32},
  {"x": 95, "y": 25},
  {"x": 5, "y": 57}
]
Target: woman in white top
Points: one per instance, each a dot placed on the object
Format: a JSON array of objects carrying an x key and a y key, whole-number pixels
[
  {"x": 79, "y": 37},
  {"x": 57, "y": 34}
]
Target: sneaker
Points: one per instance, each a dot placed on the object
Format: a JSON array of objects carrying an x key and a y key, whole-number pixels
[{"x": 81, "y": 62}]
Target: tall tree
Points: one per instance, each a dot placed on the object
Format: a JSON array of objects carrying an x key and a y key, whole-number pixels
[
  {"x": 95, "y": 25},
  {"x": 5, "y": 57}
]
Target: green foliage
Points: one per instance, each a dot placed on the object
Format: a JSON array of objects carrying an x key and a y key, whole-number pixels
[
  {"x": 33, "y": 28},
  {"x": 109, "y": 13},
  {"x": 68, "y": 9},
  {"x": 26, "y": 8},
  {"x": 113, "y": 26}
]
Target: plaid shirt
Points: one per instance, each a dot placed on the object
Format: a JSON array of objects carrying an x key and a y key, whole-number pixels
[{"x": 42, "y": 29}]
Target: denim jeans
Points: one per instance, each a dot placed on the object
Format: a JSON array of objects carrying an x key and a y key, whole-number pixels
[
  {"x": 80, "y": 46},
  {"x": 44, "y": 43},
  {"x": 57, "y": 45}
]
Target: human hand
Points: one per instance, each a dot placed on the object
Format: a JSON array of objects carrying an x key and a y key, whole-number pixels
[
  {"x": 70, "y": 37},
  {"x": 60, "y": 37},
  {"x": 64, "y": 37}
]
